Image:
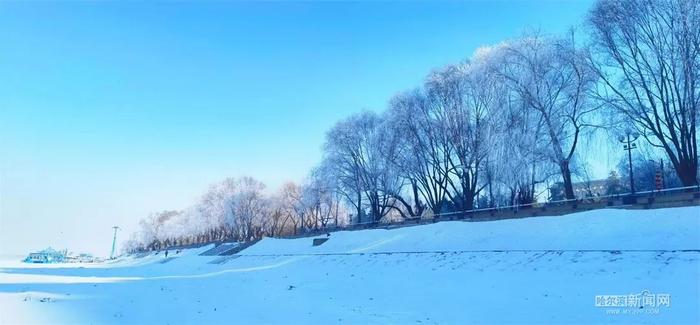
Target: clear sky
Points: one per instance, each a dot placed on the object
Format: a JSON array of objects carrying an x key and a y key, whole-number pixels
[{"x": 112, "y": 110}]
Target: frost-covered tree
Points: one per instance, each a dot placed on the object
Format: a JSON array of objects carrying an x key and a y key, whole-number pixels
[
  {"x": 422, "y": 148},
  {"x": 320, "y": 200},
  {"x": 552, "y": 78},
  {"x": 395, "y": 183},
  {"x": 647, "y": 55},
  {"x": 249, "y": 208},
  {"x": 215, "y": 208},
  {"x": 355, "y": 156},
  {"x": 460, "y": 100},
  {"x": 287, "y": 209},
  {"x": 237, "y": 206}
]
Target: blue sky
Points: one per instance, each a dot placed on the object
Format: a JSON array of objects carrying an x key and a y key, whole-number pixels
[{"x": 112, "y": 110}]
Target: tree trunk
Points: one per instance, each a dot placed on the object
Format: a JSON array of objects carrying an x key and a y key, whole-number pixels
[
  {"x": 566, "y": 175},
  {"x": 468, "y": 203},
  {"x": 687, "y": 172},
  {"x": 416, "y": 199},
  {"x": 359, "y": 207}
]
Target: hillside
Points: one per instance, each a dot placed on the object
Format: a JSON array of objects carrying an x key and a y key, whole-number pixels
[{"x": 546, "y": 269}]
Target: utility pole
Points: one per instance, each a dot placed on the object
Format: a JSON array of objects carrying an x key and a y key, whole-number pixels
[{"x": 114, "y": 242}]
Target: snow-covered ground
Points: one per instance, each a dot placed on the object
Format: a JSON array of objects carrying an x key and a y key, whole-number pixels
[{"x": 547, "y": 269}]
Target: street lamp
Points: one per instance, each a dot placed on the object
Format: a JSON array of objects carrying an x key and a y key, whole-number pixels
[
  {"x": 627, "y": 139},
  {"x": 114, "y": 242}
]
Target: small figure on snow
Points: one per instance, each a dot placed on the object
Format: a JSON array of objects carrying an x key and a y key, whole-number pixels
[{"x": 166, "y": 253}]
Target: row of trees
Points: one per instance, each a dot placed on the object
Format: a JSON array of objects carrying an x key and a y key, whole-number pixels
[
  {"x": 489, "y": 131},
  {"x": 495, "y": 125},
  {"x": 241, "y": 210},
  {"x": 649, "y": 175}
]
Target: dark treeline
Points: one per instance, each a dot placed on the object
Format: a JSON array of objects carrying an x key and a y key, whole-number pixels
[{"x": 500, "y": 128}]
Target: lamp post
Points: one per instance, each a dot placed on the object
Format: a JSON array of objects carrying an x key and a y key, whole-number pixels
[
  {"x": 628, "y": 144},
  {"x": 114, "y": 242}
]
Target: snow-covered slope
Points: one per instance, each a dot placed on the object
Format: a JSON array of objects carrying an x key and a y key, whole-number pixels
[
  {"x": 611, "y": 229},
  {"x": 547, "y": 269}
]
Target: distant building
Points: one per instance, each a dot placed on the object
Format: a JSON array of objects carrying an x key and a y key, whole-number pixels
[
  {"x": 48, "y": 255},
  {"x": 590, "y": 189},
  {"x": 81, "y": 258},
  {"x": 582, "y": 190}
]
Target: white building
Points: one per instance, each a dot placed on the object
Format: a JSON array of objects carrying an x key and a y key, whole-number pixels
[{"x": 48, "y": 255}]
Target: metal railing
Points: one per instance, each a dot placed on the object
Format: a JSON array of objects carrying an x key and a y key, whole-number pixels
[
  {"x": 487, "y": 214},
  {"x": 586, "y": 203}
]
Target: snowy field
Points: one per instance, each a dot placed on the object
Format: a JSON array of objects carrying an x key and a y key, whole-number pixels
[{"x": 536, "y": 270}]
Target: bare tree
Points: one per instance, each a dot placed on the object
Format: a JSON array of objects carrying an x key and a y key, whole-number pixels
[
  {"x": 342, "y": 160},
  {"x": 319, "y": 202},
  {"x": 289, "y": 202},
  {"x": 248, "y": 209},
  {"x": 422, "y": 149},
  {"x": 395, "y": 183},
  {"x": 457, "y": 127},
  {"x": 647, "y": 55},
  {"x": 468, "y": 101},
  {"x": 552, "y": 79},
  {"x": 351, "y": 150}
]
